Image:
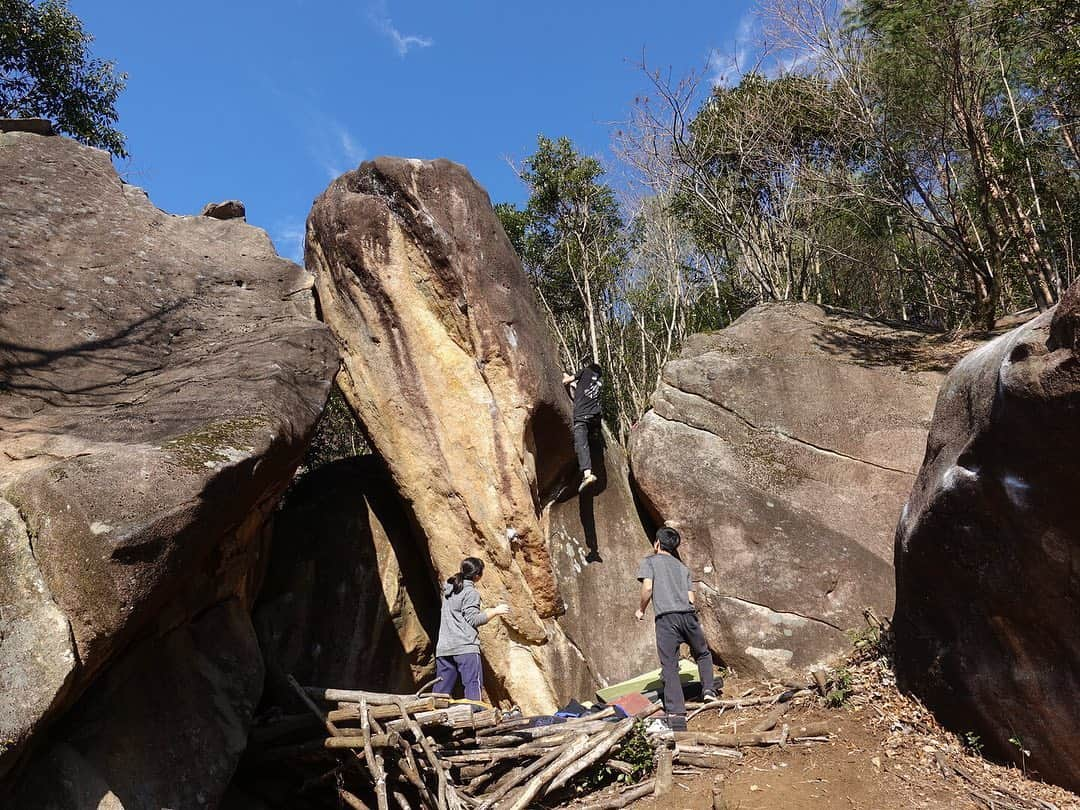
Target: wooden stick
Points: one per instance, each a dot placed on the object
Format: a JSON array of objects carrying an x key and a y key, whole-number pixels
[
  {"x": 607, "y": 742},
  {"x": 351, "y": 800},
  {"x": 508, "y": 782},
  {"x": 534, "y": 785},
  {"x": 750, "y": 738},
  {"x": 497, "y": 754},
  {"x": 351, "y": 711},
  {"x": 663, "y": 780},
  {"x": 745, "y": 702},
  {"x": 355, "y": 696},
  {"x": 689, "y": 748},
  {"x": 768, "y": 723},
  {"x": 391, "y": 740},
  {"x": 447, "y": 796},
  {"x": 374, "y": 764},
  {"x": 626, "y": 797},
  {"x": 703, "y": 760}
]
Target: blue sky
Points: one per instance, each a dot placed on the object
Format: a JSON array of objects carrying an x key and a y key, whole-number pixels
[{"x": 268, "y": 101}]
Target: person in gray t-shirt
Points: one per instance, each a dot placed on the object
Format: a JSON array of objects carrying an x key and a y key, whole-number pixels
[{"x": 666, "y": 582}]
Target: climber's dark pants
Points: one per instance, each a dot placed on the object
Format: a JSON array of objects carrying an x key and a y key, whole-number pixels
[
  {"x": 673, "y": 629},
  {"x": 582, "y": 429}
]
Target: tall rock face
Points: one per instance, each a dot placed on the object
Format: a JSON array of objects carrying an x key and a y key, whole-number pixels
[
  {"x": 159, "y": 379},
  {"x": 988, "y": 549},
  {"x": 783, "y": 448},
  {"x": 349, "y": 600},
  {"x": 451, "y": 369}
]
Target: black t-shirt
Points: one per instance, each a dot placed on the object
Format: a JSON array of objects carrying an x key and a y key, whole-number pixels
[{"x": 587, "y": 393}]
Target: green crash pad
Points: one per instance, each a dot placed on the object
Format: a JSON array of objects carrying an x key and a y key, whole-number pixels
[{"x": 648, "y": 681}]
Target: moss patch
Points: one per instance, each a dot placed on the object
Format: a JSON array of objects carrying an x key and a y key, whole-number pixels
[{"x": 215, "y": 443}]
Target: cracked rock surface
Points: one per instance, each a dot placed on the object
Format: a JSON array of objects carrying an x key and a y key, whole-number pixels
[
  {"x": 159, "y": 379},
  {"x": 988, "y": 550},
  {"x": 783, "y": 448}
]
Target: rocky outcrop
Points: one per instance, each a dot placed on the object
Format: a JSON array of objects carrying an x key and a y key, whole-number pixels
[
  {"x": 783, "y": 448},
  {"x": 159, "y": 379},
  {"x": 451, "y": 369},
  {"x": 988, "y": 549},
  {"x": 164, "y": 727},
  {"x": 230, "y": 209},
  {"x": 349, "y": 599},
  {"x": 35, "y": 126}
]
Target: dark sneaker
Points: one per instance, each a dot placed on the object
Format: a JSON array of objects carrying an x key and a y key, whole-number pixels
[{"x": 709, "y": 696}]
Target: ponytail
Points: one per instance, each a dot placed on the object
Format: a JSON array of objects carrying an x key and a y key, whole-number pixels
[{"x": 471, "y": 569}]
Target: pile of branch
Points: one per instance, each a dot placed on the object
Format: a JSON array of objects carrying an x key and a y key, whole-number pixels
[{"x": 427, "y": 752}]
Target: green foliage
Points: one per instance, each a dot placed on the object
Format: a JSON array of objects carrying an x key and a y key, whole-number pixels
[
  {"x": 972, "y": 742},
  {"x": 338, "y": 434},
  {"x": 1018, "y": 742},
  {"x": 840, "y": 687},
  {"x": 636, "y": 751},
  {"x": 46, "y": 71}
]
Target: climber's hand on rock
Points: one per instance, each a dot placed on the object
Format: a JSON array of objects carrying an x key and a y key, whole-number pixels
[
  {"x": 639, "y": 614},
  {"x": 499, "y": 610}
]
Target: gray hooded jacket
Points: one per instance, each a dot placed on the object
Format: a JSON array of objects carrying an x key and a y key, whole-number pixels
[{"x": 461, "y": 615}]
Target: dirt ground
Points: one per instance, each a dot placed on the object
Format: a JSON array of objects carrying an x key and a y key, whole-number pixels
[{"x": 885, "y": 751}]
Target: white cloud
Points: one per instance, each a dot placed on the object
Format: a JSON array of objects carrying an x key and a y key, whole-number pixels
[
  {"x": 288, "y": 238},
  {"x": 333, "y": 147},
  {"x": 727, "y": 65},
  {"x": 380, "y": 18}
]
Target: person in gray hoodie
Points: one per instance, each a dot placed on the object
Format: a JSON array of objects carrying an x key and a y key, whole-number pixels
[{"x": 457, "y": 653}]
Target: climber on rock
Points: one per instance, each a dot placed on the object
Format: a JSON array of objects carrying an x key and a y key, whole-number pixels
[
  {"x": 666, "y": 582},
  {"x": 457, "y": 653},
  {"x": 585, "y": 391}
]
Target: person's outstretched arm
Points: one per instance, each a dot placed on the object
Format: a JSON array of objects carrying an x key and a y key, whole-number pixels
[{"x": 646, "y": 597}]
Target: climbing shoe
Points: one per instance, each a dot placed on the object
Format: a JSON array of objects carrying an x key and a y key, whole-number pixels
[
  {"x": 586, "y": 482},
  {"x": 709, "y": 696}
]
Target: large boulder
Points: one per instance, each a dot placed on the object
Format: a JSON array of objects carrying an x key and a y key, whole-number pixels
[
  {"x": 454, "y": 375},
  {"x": 783, "y": 448},
  {"x": 164, "y": 727},
  {"x": 159, "y": 379},
  {"x": 988, "y": 549},
  {"x": 349, "y": 599}
]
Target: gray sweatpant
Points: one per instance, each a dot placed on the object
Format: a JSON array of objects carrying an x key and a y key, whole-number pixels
[{"x": 673, "y": 629}]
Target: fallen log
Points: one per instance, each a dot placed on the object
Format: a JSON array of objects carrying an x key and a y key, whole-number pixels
[
  {"x": 751, "y": 738},
  {"x": 704, "y": 760},
  {"x": 768, "y": 723},
  {"x": 639, "y": 791},
  {"x": 690, "y": 748},
  {"x": 355, "y": 696},
  {"x": 664, "y": 780},
  {"x": 351, "y": 711}
]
